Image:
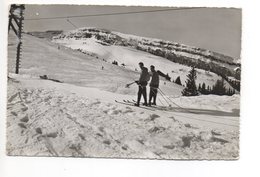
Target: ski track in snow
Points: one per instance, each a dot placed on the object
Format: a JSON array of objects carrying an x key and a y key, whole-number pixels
[{"x": 50, "y": 121}]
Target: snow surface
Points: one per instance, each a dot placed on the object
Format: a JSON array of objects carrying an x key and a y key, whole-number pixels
[
  {"x": 46, "y": 118},
  {"x": 131, "y": 57},
  {"x": 80, "y": 117},
  {"x": 41, "y": 57}
]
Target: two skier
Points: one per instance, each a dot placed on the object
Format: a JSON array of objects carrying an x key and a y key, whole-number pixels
[{"x": 142, "y": 83}]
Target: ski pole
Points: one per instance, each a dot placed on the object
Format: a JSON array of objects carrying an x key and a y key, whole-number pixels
[
  {"x": 128, "y": 85},
  {"x": 157, "y": 97},
  {"x": 165, "y": 99},
  {"x": 160, "y": 101},
  {"x": 176, "y": 103},
  {"x": 168, "y": 97},
  {"x": 162, "y": 93}
]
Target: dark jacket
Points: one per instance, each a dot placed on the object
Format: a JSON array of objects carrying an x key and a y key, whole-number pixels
[
  {"x": 155, "y": 79},
  {"x": 143, "y": 75}
]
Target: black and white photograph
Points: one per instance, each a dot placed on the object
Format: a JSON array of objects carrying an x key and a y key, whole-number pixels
[{"x": 123, "y": 82}]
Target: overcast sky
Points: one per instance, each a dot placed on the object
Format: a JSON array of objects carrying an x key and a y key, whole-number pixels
[{"x": 216, "y": 29}]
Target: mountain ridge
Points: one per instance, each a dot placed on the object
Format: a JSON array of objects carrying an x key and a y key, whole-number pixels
[
  {"x": 93, "y": 30},
  {"x": 225, "y": 66}
]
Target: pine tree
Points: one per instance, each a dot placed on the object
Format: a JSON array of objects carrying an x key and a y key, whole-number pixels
[
  {"x": 230, "y": 92},
  {"x": 199, "y": 88},
  {"x": 191, "y": 89},
  {"x": 209, "y": 91},
  {"x": 178, "y": 80},
  {"x": 219, "y": 87},
  {"x": 203, "y": 88}
]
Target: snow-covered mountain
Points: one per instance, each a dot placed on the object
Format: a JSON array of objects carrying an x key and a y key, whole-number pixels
[
  {"x": 173, "y": 51},
  {"x": 79, "y": 116},
  {"x": 169, "y": 57}
]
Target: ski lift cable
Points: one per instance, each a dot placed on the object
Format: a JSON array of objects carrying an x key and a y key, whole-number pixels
[
  {"x": 116, "y": 13},
  {"x": 72, "y": 24},
  {"x": 69, "y": 21},
  {"x": 100, "y": 45}
]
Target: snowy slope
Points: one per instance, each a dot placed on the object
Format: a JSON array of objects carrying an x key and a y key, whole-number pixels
[
  {"x": 42, "y": 57},
  {"x": 128, "y": 55},
  {"x": 79, "y": 117},
  {"x": 46, "y": 118}
]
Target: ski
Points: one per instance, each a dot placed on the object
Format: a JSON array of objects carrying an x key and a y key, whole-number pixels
[
  {"x": 162, "y": 108},
  {"x": 125, "y": 102},
  {"x": 156, "y": 107},
  {"x": 128, "y": 101},
  {"x": 133, "y": 102}
]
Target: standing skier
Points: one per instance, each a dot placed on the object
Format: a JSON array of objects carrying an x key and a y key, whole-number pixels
[
  {"x": 142, "y": 83},
  {"x": 154, "y": 85}
]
